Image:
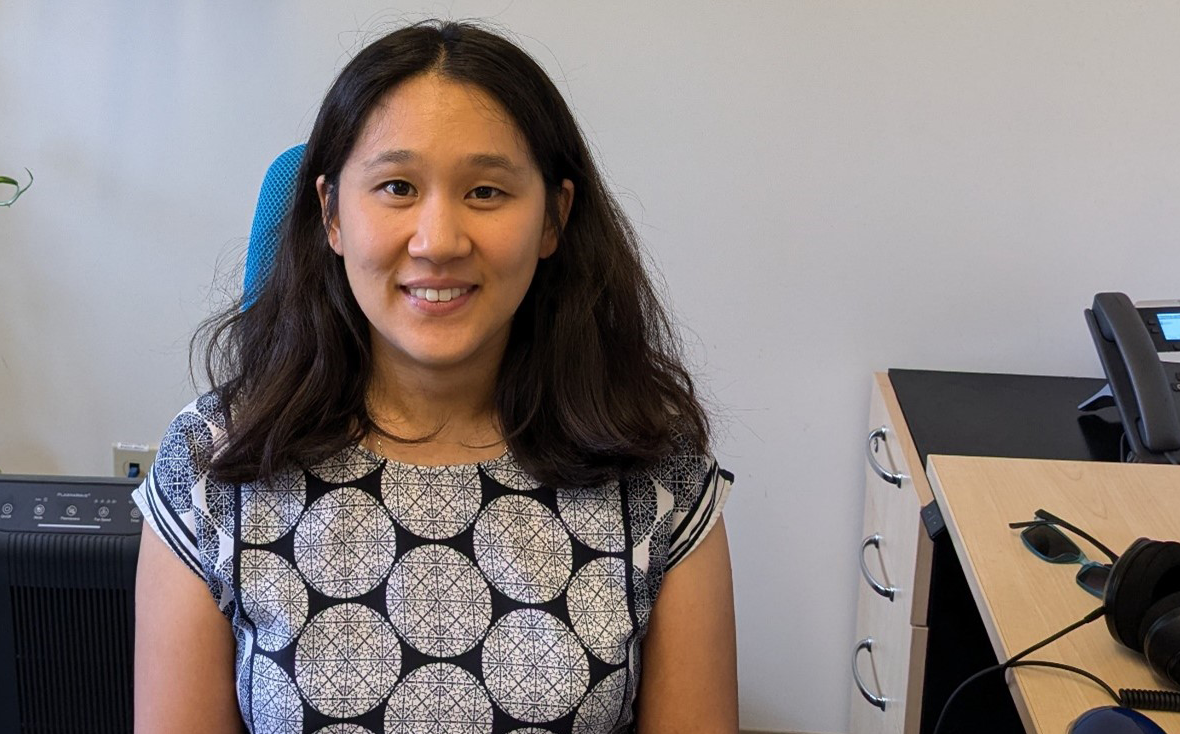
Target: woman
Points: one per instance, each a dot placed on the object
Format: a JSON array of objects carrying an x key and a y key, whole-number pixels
[{"x": 453, "y": 476}]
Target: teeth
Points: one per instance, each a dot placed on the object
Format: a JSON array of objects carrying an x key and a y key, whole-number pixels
[{"x": 435, "y": 295}]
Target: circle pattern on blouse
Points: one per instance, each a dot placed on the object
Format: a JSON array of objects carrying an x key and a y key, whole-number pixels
[
  {"x": 270, "y": 510},
  {"x": 600, "y": 711},
  {"x": 594, "y": 516},
  {"x": 439, "y": 699},
  {"x": 276, "y": 705},
  {"x": 431, "y": 502},
  {"x": 534, "y": 666},
  {"x": 274, "y": 596},
  {"x": 597, "y": 603},
  {"x": 573, "y": 663},
  {"x": 347, "y": 660},
  {"x": 523, "y": 549},
  {"x": 509, "y": 474},
  {"x": 348, "y": 465},
  {"x": 344, "y": 543},
  {"x": 438, "y": 601}
]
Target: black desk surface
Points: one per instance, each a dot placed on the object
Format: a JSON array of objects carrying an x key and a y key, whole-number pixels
[{"x": 1020, "y": 416}]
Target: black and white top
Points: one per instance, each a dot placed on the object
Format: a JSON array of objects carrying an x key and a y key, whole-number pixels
[{"x": 367, "y": 595}]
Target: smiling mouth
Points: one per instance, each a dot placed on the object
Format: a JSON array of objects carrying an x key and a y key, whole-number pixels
[{"x": 438, "y": 295}]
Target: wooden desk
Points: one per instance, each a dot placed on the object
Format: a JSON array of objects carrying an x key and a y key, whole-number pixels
[{"x": 1023, "y": 599}]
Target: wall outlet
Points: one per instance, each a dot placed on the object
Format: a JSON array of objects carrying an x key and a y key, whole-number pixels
[{"x": 132, "y": 459}]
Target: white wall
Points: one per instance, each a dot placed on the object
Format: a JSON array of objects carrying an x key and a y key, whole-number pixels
[{"x": 830, "y": 188}]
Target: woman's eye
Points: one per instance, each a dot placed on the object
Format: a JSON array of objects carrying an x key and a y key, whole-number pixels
[
  {"x": 400, "y": 188},
  {"x": 485, "y": 192}
]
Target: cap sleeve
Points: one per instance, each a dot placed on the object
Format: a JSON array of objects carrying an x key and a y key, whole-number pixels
[
  {"x": 188, "y": 511},
  {"x": 690, "y": 491},
  {"x": 697, "y": 507}
]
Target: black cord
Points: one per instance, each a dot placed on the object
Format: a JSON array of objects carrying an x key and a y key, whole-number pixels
[
  {"x": 1062, "y": 666},
  {"x": 946, "y": 706},
  {"x": 1096, "y": 614},
  {"x": 1137, "y": 698},
  {"x": 1134, "y": 698}
]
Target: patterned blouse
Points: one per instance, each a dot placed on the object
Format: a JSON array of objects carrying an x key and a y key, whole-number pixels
[{"x": 368, "y": 595}]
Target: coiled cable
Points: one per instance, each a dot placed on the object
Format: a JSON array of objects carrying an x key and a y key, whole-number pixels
[{"x": 1138, "y": 698}]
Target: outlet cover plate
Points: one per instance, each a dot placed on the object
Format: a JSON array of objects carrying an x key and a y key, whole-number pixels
[{"x": 129, "y": 456}]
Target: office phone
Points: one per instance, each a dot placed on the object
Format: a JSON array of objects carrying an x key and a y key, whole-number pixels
[{"x": 1139, "y": 346}]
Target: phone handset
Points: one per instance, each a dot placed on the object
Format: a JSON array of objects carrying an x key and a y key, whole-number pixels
[{"x": 1148, "y": 406}]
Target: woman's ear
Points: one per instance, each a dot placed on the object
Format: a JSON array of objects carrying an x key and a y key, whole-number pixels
[
  {"x": 565, "y": 201},
  {"x": 327, "y": 213}
]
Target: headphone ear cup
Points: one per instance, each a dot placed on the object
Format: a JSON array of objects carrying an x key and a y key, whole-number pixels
[
  {"x": 1127, "y": 592},
  {"x": 1161, "y": 637}
]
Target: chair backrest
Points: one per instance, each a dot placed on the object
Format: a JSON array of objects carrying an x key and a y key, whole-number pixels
[{"x": 274, "y": 201}]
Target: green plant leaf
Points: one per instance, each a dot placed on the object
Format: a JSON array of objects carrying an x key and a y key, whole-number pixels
[{"x": 13, "y": 182}]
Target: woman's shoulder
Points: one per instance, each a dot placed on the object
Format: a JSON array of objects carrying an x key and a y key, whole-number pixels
[
  {"x": 689, "y": 489},
  {"x": 188, "y": 510},
  {"x": 207, "y": 408},
  {"x": 190, "y": 441},
  {"x": 688, "y": 462}
]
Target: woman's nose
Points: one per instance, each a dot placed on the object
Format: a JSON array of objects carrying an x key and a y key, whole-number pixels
[{"x": 439, "y": 234}]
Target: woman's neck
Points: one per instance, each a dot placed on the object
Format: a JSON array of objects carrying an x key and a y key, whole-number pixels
[{"x": 453, "y": 409}]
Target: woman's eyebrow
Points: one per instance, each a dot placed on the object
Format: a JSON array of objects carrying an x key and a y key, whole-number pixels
[
  {"x": 494, "y": 160},
  {"x": 475, "y": 160},
  {"x": 390, "y": 156}
]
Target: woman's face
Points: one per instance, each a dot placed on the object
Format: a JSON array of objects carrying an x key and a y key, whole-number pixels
[{"x": 441, "y": 221}]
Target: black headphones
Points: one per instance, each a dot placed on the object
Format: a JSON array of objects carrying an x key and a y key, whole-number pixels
[{"x": 1142, "y": 602}]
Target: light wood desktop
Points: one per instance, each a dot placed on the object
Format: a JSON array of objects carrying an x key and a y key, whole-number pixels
[{"x": 1023, "y": 599}]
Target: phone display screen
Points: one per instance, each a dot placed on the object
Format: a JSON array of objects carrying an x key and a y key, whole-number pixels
[{"x": 1170, "y": 325}]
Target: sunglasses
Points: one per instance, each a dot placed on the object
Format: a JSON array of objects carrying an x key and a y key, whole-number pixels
[{"x": 1044, "y": 538}]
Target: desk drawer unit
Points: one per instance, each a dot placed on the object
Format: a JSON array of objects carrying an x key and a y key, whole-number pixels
[{"x": 888, "y": 656}]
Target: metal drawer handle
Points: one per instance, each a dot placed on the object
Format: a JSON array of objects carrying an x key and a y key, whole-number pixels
[
  {"x": 885, "y": 591},
  {"x": 879, "y": 434},
  {"x": 865, "y": 644}
]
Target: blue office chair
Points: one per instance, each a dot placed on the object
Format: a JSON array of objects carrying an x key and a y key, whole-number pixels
[{"x": 274, "y": 201}]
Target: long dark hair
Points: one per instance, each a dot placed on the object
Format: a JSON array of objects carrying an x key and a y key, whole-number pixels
[{"x": 591, "y": 385}]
